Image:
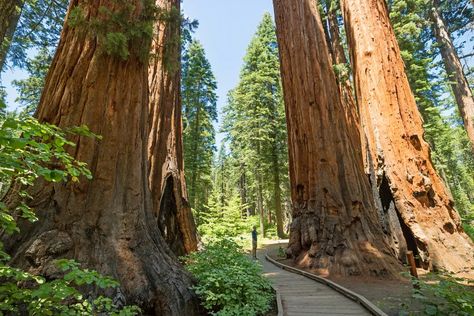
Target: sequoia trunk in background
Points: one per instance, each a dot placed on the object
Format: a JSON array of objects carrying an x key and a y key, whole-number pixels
[
  {"x": 165, "y": 147},
  {"x": 277, "y": 192},
  {"x": 398, "y": 153},
  {"x": 341, "y": 63},
  {"x": 461, "y": 90},
  {"x": 10, "y": 11},
  {"x": 108, "y": 223},
  {"x": 335, "y": 227}
]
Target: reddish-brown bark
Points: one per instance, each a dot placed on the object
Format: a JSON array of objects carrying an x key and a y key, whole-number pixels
[
  {"x": 335, "y": 226},
  {"x": 165, "y": 153},
  {"x": 108, "y": 223},
  {"x": 399, "y": 156}
]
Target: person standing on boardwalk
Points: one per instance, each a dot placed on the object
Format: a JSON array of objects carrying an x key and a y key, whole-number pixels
[{"x": 254, "y": 242}]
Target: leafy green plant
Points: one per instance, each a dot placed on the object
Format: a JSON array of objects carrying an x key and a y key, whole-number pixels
[
  {"x": 24, "y": 292},
  {"x": 229, "y": 282},
  {"x": 30, "y": 150},
  {"x": 444, "y": 294},
  {"x": 281, "y": 252}
]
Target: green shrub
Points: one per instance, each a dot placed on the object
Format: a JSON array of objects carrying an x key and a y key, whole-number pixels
[
  {"x": 228, "y": 281},
  {"x": 444, "y": 294},
  {"x": 22, "y": 292}
]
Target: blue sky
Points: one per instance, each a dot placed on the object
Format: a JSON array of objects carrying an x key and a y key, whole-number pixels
[{"x": 225, "y": 30}]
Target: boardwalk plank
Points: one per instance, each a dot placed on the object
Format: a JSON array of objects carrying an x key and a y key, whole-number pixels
[{"x": 303, "y": 296}]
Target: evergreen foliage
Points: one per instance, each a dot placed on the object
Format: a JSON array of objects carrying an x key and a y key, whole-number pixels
[
  {"x": 33, "y": 45},
  {"x": 31, "y": 88},
  {"x": 122, "y": 32},
  {"x": 255, "y": 125},
  {"x": 199, "y": 114},
  {"x": 39, "y": 27}
]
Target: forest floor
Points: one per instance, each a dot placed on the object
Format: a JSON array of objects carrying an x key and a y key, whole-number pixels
[{"x": 392, "y": 296}]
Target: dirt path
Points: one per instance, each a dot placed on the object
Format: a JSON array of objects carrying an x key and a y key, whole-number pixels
[{"x": 302, "y": 296}]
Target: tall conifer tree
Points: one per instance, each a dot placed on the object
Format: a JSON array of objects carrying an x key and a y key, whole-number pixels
[
  {"x": 255, "y": 123},
  {"x": 199, "y": 113}
]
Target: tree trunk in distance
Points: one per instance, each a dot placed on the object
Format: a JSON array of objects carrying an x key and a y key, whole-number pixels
[
  {"x": 165, "y": 148},
  {"x": 260, "y": 209},
  {"x": 108, "y": 223},
  {"x": 461, "y": 90},
  {"x": 10, "y": 12},
  {"x": 277, "y": 195},
  {"x": 335, "y": 227},
  {"x": 393, "y": 126}
]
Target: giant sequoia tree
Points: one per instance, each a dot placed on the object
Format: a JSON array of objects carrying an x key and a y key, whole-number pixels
[
  {"x": 452, "y": 159},
  {"x": 113, "y": 223},
  {"x": 165, "y": 140},
  {"x": 335, "y": 225},
  {"x": 409, "y": 185}
]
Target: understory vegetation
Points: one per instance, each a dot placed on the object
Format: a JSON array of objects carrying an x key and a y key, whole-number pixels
[
  {"x": 443, "y": 294},
  {"x": 229, "y": 282}
]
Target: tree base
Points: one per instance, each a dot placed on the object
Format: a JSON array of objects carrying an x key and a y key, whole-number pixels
[
  {"x": 340, "y": 252},
  {"x": 128, "y": 247}
]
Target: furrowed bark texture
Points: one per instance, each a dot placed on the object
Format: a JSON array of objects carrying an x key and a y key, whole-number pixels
[
  {"x": 398, "y": 153},
  {"x": 165, "y": 147},
  {"x": 335, "y": 226},
  {"x": 344, "y": 84},
  {"x": 461, "y": 90},
  {"x": 108, "y": 223},
  {"x": 10, "y": 11},
  {"x": 387, "y": 215}
]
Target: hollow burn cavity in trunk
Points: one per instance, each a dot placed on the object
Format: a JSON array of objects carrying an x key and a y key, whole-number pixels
[{"x": 167, "y": 219}]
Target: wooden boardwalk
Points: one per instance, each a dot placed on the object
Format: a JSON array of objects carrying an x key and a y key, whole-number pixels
[{"x": 303, "y": 296}]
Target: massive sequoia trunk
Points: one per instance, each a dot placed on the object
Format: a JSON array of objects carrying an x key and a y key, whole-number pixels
[
  {"x": 409, "y": 185},
  {"x": 335, "y": 226},
  {"x": 107, "y": 223},
  {"x": 165, "y": 147},
  {"x": 10, "y": 11},
  {"x": 387, "y": 216},
  {"x": 460, "y": 86}
]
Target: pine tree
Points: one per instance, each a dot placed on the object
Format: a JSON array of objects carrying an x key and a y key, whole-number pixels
[
  {"x": 199, "y": 113},
  {"x": 255, "y": 124}
]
